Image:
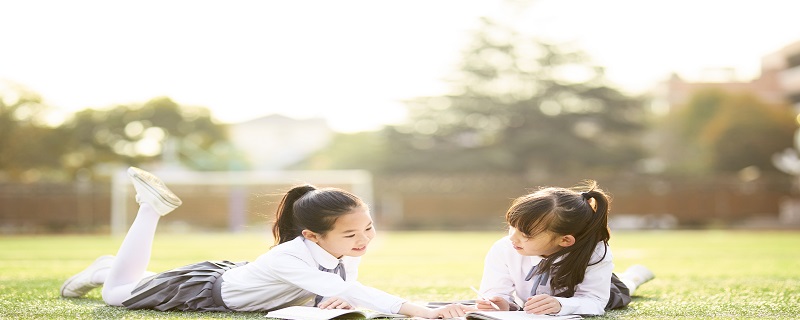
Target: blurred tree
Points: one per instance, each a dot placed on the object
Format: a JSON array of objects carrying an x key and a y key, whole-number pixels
[
  {"x": 29, "y": 146},
  {"x": 139, "y": 133},
  {"x": 519, "y": 105},
  {"x": 724, "y": 132}
]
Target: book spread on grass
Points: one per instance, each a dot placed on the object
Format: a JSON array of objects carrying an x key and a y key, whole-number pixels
[
  {"x": 314, "y": 313},
  {"x": 515, "y": 315}
]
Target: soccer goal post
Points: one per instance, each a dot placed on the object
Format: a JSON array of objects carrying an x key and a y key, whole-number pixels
[{"x": 359, "y": 182}]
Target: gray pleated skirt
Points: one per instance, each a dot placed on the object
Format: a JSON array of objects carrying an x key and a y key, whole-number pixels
[
  {"x": 194, "y": 287},
  {"x": 620, "y": 294}
]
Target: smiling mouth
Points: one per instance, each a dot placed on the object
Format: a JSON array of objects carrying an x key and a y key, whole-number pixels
[{"x": 360, "y": 248}]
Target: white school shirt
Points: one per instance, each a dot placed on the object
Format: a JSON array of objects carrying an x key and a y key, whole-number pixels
[
  {"x": 289, "y": 275},
  {"x": 505, "y": 270}
]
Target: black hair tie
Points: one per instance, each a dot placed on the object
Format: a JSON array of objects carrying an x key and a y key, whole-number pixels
[{"x": 586, "y": 195}]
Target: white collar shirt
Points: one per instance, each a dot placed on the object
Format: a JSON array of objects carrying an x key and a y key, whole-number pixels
[
  {"x": 289, "y": 275},
  {"x": 505, "y": 271}
]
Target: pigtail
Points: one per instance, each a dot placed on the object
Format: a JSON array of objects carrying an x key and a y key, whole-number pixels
[
  {"x": 583, "y": 214},
  {"x": 597, "y": 229},
  {"x": 285, "y": 229}
]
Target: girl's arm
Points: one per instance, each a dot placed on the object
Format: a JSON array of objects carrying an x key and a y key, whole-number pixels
[
  {"x": 354, "y": 293},
  {"x": 497, "y": 281},
  {"x": 307, "y": 277}
]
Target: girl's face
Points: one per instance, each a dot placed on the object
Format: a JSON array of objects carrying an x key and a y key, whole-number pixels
[
  {"x": 540, "y": 244},
  {"x": 350, "y": 235}
]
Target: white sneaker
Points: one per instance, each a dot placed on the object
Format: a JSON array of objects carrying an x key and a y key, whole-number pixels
[
  {"x": 81, "y": 283},
  {"x": 151, "y": 190},
  {"x": 639, "y": 274}
]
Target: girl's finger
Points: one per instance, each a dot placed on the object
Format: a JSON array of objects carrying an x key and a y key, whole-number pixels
[
  {"x": 538, "y": 297},
  {"x": 545, "y": 308},
  {"x": 335, "y": 303}
]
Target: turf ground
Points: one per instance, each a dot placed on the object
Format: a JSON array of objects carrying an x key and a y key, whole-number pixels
[{"x": 699, "y": 274}]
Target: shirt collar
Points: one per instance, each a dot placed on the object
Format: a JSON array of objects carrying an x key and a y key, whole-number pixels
[{"x": 321, "y": 256}]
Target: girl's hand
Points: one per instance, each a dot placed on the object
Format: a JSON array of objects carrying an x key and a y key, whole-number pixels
[
  {"x": 335, "y": 303},
  {"x": 450, "y": 311},
  {"x": 484, "y": 305},
  {"x": 542, "y": 304}
]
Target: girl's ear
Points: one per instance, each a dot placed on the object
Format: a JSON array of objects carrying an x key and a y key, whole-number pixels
[
  {"x": 566, "y": 241},
  {"x": 310, "y": 235}
]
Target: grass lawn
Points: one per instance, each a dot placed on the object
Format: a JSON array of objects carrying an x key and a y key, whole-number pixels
[{"x": 699, "y": 274}]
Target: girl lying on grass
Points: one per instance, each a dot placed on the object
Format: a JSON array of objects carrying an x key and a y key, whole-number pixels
[
  {"x": 556, "y": 258},
  {"x": 320, "y": 235}
]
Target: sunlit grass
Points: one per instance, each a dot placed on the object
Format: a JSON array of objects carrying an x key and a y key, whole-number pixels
[{"x": 699, "y": 274}]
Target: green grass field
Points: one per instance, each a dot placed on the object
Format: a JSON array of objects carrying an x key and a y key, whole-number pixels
[{"x": 699, "y": 274}]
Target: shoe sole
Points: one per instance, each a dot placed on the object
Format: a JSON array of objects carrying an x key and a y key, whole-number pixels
[{"x": 155, "y": 186}]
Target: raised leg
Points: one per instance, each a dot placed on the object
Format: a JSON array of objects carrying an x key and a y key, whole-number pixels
[{"x": 119, "y": 275}]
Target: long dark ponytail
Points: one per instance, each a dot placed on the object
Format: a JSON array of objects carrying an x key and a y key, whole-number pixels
[
  {"x": 311, "y": 208},
  {"x": 582, "y": 212}
]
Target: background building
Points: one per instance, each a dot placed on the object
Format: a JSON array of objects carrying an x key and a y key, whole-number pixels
[{"x": 275, "y": 141}]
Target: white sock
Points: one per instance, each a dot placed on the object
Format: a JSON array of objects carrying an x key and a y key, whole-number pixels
[
  {"x": 635, "y": 276},
  {"x": 628, "y": 283},
  {"x": 99, "y": 276}
]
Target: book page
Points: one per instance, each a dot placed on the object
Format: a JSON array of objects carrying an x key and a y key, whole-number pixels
[
  {"x": 516, "y": 315},
  {"x": 312, "y": 313},
  {"x": 379, "y": 315}
]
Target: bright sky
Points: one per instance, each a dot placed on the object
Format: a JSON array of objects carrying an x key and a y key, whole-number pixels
[{"x": 351, "y": 62}]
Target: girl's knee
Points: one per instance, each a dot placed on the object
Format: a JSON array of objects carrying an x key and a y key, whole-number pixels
[{"x": 115, "y": 296}]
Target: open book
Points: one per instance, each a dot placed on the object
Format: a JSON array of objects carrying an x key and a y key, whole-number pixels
[
  {"x": 515, "y": 315},
  {"x": 314, "y": 313}
]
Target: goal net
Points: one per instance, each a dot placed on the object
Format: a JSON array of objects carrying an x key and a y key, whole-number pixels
[{"x": 232, "y": 200}]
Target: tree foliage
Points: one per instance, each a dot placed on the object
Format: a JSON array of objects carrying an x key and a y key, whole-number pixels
[
  {"x": 725, "y": 132},
  {"x": 26, "y": 140},
  {"x": 123, "y": 134},
  {"x": 134, "y": 134},
  {"x": 519, "y": 105}
]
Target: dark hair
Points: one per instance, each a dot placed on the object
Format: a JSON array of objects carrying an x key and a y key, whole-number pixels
[
  {"x": 312, "y": 208},
  {"x": 565, "y": 212}
]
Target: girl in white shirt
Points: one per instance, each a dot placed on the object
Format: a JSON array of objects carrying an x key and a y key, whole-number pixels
[
  {"x": 320, "y": 235},
  {"x": 556, "y": 258}
]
